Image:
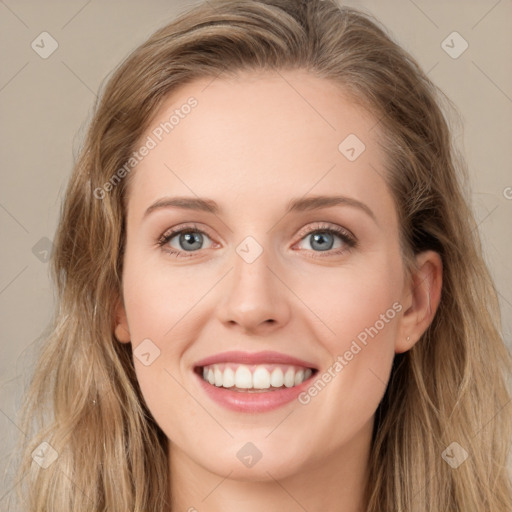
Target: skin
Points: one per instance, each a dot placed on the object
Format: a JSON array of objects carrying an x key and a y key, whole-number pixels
[{"x": 252, "y": 144}]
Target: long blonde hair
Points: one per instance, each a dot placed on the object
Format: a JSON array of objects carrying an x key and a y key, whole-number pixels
[{"x": 84, "y": 398}]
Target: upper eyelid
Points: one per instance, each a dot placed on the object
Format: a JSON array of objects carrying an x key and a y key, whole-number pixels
[
  {"x": 326, "y": 226},
  {"x": 187, "y": 227}
]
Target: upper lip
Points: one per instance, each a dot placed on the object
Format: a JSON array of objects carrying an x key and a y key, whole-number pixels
[{"x": 267, "y": 357}]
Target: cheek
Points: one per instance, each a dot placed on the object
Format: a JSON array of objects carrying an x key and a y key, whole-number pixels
[
  {"x": 357, "y": 302},
  {"x": 361, "y": 307},
  {"x": 169, "y": 403},
  {"x": 160, "y": 306},
  {"x": 157, "y": 296}
]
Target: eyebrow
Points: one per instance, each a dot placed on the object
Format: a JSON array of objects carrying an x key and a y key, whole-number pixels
[{"x": 295, "y": 205}]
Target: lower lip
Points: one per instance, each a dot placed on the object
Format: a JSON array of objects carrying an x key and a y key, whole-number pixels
[{"x": 241, "y": 401}]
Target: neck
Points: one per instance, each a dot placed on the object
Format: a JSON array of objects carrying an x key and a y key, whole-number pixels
[{"x": 333, "y": 483}]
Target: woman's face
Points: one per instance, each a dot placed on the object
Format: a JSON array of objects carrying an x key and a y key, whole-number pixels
[{"x": 265, "y": 166}]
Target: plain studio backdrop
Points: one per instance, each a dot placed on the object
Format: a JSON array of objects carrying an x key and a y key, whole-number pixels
[{"x": 47, "y": 90}]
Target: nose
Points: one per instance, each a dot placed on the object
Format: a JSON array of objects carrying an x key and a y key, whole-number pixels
[{"x": 255, "y": 299}]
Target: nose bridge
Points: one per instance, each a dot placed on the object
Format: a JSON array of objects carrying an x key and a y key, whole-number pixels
[{"x": 255, "y": 297}]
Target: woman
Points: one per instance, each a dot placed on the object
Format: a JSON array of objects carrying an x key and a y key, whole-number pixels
[{"x": 271, "y": 289}]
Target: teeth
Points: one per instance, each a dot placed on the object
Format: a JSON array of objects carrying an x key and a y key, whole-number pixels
[
  {"x": 218, "y": 377},
  {"x": 277, "y": 378},
  {"x": 243, "y": 377},
  {"x": 299, "y": 377},
  {"x": 246, "y": 377},
  {"x": 289, "y": 378},
  {"x": 228, "y": 380},
  {"x": 261, "y": 378}
]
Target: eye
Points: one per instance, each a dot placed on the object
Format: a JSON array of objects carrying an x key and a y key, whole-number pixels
[
  {"x": 322, "y": 238},
  {"x": 180, "y": 241}
]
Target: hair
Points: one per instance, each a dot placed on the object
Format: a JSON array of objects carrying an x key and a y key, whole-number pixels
[{"x": 84, "y": 398}]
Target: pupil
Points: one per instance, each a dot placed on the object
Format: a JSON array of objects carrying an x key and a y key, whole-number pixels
[
  {"x": 191, "y": 238},
  {"x": 320, "y": 238}
]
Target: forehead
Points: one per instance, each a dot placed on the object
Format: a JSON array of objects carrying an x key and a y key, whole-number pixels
[{"x": 260, "y": 138}]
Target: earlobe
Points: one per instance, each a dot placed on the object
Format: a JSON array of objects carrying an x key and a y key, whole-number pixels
[
  {"x": 121, "y": 330},
  {"x": 422, "y": 298}
]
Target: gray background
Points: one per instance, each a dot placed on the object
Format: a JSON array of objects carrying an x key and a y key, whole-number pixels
[{"x": 46, "y": 103}]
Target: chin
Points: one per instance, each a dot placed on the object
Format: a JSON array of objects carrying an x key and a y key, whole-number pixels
[{"x": 244, "y": 461}]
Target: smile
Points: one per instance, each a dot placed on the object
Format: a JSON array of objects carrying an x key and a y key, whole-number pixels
[
  {"x": 254, "y": 378},
  {"x": 253, "y": 381}
]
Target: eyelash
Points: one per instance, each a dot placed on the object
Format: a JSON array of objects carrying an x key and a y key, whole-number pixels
[{"x": 348, "y": 239}]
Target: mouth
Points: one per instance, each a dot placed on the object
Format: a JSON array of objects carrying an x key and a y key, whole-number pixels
[
  {"x": 253, "y": 382},
  {"x": 260, "y": 378}
]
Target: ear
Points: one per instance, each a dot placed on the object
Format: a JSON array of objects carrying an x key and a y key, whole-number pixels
[
  {"x": 421, "y": 297},
  {"x": 121, "y": 330}
]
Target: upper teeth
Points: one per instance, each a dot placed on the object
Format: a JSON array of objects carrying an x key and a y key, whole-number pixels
[{"x": 255, "y": 377}]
